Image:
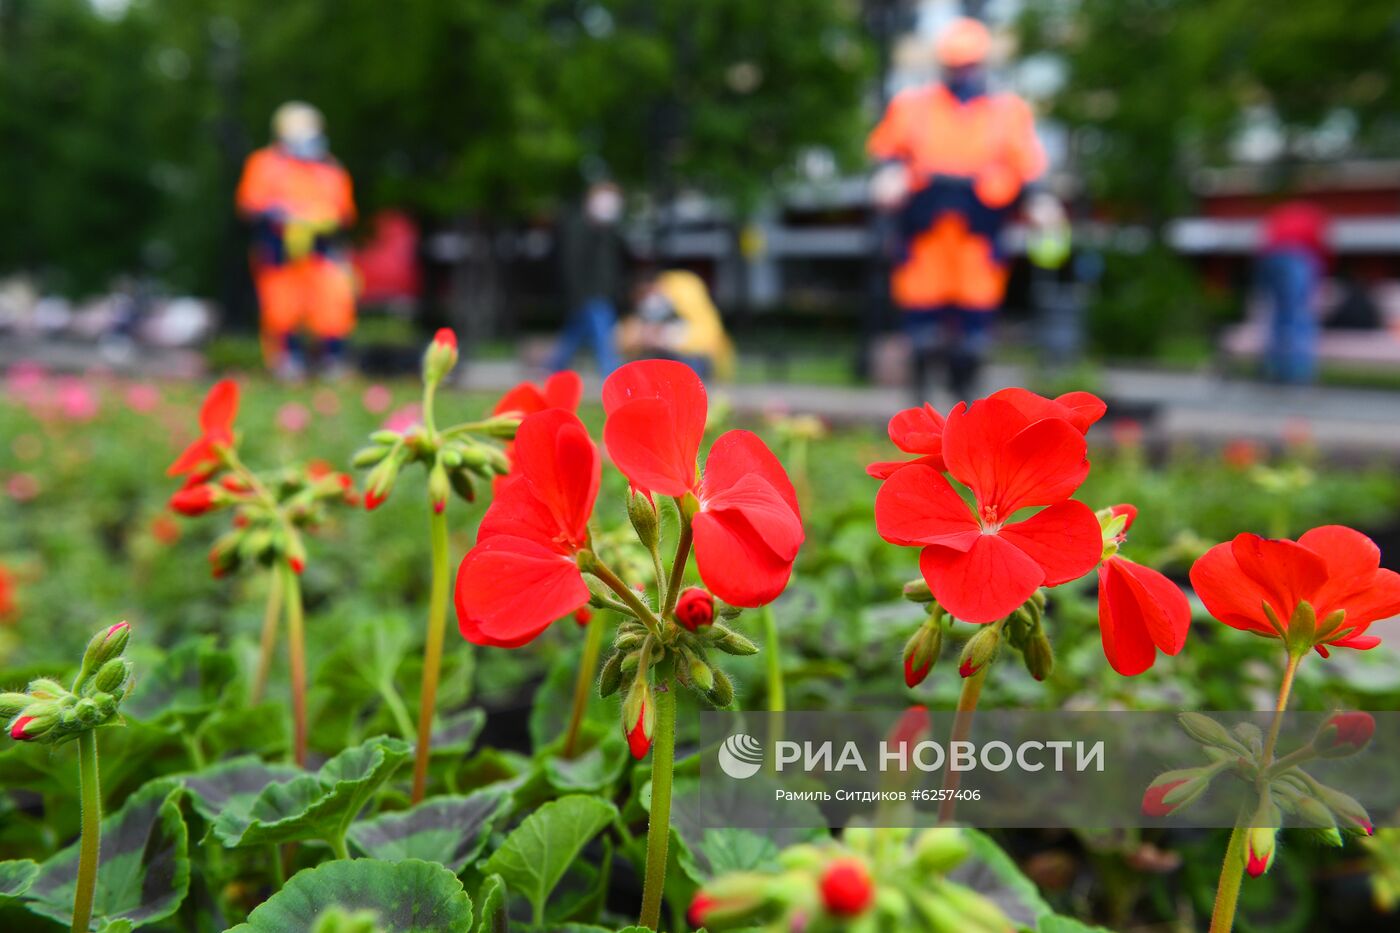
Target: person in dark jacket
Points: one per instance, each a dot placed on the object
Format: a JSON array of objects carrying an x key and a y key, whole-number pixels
[{"x": 591, "y": 254}]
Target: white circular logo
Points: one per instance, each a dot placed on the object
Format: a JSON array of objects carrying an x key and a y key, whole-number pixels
[{"x": 740, "y": 756}]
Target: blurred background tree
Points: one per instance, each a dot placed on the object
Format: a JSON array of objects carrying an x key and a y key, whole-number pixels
[{"x": 126, "y": 122}]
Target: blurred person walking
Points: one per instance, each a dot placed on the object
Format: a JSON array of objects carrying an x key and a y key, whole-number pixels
[
  {"x": 1292, "y": 258},
  {"x": 956, "y": 161},
  {"x": 300, "y": 203},
  {"x": 591, "y": 253}
]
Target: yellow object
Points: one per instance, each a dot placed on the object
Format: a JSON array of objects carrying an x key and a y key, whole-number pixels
[{"x": 704, "y": 330}]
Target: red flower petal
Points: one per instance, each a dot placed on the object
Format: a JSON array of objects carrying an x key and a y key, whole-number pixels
[
  {"x": 884, "y": 469},
  {"x": 1009, "y": 463},
  {"x": 1355, "y": 581},
  {"x": 1285, "y": 571},
  {"x": 918, "y": 430},
  {"x": 525, "y": 398},
  {"x": 918, "y": 506},
  {"x": 564, "y": 390},
  {"x": 988, "y": 581},
  {"x": 1080, "y": 409},
  {"x": 1228, "y": 594},
  {"x": 745, "y": 542},
  {"x": 554, "y": 453},
  {"x": 220, "y": 407},
  {"x": 1140, "y": 611},
  {"x": 510, "y": 589},
  {"x": 734, "y": 455},
  {"x": 1063, "y": 539},
  {"x": 656, "y": 420}
]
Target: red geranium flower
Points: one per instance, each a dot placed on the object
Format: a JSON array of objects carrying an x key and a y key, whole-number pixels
[
  {"x": 1333, "y": 568},
  {"x": 914, "y": 431},
  {"x": 1081, "y": 409},
  {"x": 521, "y": 576},
  {"x": 1140, "y": 610},
  {"x": 561, "y": 390},
  {"x": 748, "y": 527},
  {"x": 979, "y": 564},
  {"x": 216, "y": 424}
]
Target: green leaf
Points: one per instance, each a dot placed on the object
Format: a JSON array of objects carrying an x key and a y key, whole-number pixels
[
  {"x": 535, "y": 856},
  {"x": 143, "y": 873},
  {"x": 319, "y": 806},
  {"x": 595, "y": 768},
  {"x": 992, "y": 873},
  {"x": 16, "y": 877},
  {"x": 491, "y": 904},
  {"x": 1058, "y": 923},
  {"x": 193, "y": 679},
  {"x": 411, "y": 896},
  {"x": 450, "y": 830},
  {"x": 233, "y": 786},
  {"x": 455, "y": 735}
]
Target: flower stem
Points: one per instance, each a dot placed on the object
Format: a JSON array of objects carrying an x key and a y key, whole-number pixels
[
  {"x": 272, "y": 616},
  {"x": 663, "y": 755},
  {"x": 92, "y": 831},
  {"x": 1227, "y": 893},
  {"x": 613, "y": 582},
  {"x": 777, "y": 695},
  {"x": 962, "y": 727},
  {"x": 296, "y": 654},
  {"x": 673, "y": 587},
  {"x": 587, "y": 670},
  {"x": 432, "y": 654}
]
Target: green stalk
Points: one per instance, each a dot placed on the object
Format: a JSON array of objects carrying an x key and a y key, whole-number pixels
[
  {"x": 673, "y": 588},
  {"x": 587, "y": 670},
  {"x": 777, "y": 695},
  {"x": 296, "y": 654},
  {"x": 1227, "y": 892},
  {"x": 432, "y": 653},
  {"x": 663, "y": 759},
  {"x": 397, "y": 710},
  {"x": 92, "y": 831},
  {"x": 962, "y": 728},
  {"x": 271, "y": 618}
]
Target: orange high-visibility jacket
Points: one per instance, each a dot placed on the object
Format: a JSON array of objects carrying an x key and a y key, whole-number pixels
[
  {"x": 312, "y": 191},
  {"x": 990, "y": 139}
]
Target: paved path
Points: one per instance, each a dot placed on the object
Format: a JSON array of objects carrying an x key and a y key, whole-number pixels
[{"x": 1199, "y": 407}]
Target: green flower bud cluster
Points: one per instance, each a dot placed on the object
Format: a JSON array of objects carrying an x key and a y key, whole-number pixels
[
  {"x": 636, "y": 650},
  {"x": 875, "y": 879},
  {"x": 456, "y": 460},
  {"x": 48, "y": 713},
  {"x": 1280, "y": 786}
]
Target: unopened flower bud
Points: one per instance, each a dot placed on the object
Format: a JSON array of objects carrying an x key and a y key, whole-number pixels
[
  {"x": 12, "y": 704},
  {"x": 296, "y": 554},
  {"x": 103, "y": 647},
  {"x": 921, "y": 651},
  {"x": 1259, "y": 850},
  {"x": 973, "y": 912},
  {"x": 439, "y": 487},
  {"x": 701, "y": 674},
  {"x": 462, "y": 484},
  {"x": 1209, "y": 732},
  {"x": 368, "y": 456},
  {"x": 979, "y": 651},
  {"x": 917, "y": 591},
  {"x": 638, "y": 720},
  {"x": 42, "y": 688},
  {"x": 938, "y": 851},
  {"x": 846, "y": 887},
  {"x": 111, "y": 676},
  {"x": 695, "y": 609},
  {"x": 1344, "y": 734},
  {"x": 730, "y": 900},
  {"x": 197, "y": 500},
  {"x": 1349, "y": 812},
  {"x": 440, "y": 356},
  {"x": 1039, "y": 655},
  {"x": 642, "y": 512},
  {"x": 731, "y": 642},
  {"x": 1173, "y": 790},
  {"x": 610, "y": 678},
  {"x": 722, "y": 693},
  {"x": 380, "y": 481},
  {"x": 35, "y": 722}
]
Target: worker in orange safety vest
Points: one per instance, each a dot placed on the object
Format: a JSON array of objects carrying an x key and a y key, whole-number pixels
[
  {"x": 956, "y": 161},
  {"x": 299, "y": 201}
]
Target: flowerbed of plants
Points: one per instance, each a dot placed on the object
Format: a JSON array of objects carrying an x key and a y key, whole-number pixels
[{"x": 392, "y": 657}]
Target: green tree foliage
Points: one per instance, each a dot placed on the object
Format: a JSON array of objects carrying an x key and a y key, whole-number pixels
[{"x": 124, "y": 128}]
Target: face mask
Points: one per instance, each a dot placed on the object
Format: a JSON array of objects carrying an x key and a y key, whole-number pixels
[
  {"x": 966, "y": 83},
  {"x": 306, "y": 147},
  {"x": 604, "y": 207}
]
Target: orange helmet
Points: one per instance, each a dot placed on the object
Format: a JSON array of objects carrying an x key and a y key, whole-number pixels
[{"x": 964, "y": 42}]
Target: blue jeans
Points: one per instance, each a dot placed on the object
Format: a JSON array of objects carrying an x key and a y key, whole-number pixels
[
  {"x": 962, "y": 335},
  {"x": 592, "y": 322},
  {"x": 1290, "y": 279}
]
